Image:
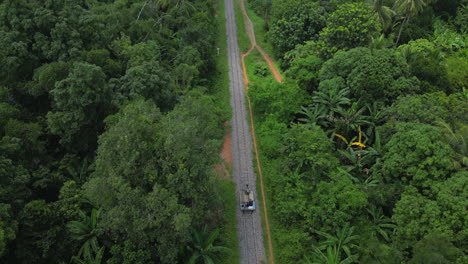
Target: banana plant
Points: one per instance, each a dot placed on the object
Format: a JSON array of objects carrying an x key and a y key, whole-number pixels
[
  {"x": 335, "y": 245},
  {"x": 86, "y": 231},
  {"x": 381, "y": 224}
]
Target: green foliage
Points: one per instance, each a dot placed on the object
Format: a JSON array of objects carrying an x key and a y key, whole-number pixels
[
  {"x": 351, "y": 25},
  {"x": 404, "y": 188},
  {"x": 337, "y": 202},
  {"x": 429, "y": 108},
  {"x": 271, "y": 131},
  {"x": 305, "y": 72},
  {"x": 149, "y": 81},
  {"x": 7, "y": 109},
  {"x": 384, "y": 12},
  {"x": 128, "y": 253},
  {"x": 191, "y": 138},
  {"x": 157, "y": 168},
  {"x": 15, "y": 57},
  {"x": 334, "y": 245},
  {"x": 425, "y": 62},
  {"x": 456, "y": 71},
  {"x": 435, "y": 248},
  {"x": 457, "y": 139},
  {"x": 130, "y": 140},
  {"x": 42, "y": 236},
  {"x": 418, "y": 215},
  {"x": 448, "y": 38},
  {"x": 294, "y": 241},
  {"x": 277, "y": 99},
  {"x": 308, "y": 150},
  {"x": 378, "y": 252},
  {"x": 295, "y": 21},
  {"x": 46, "y": 76},
  {"x": 97, "y": 259},
  {"x": 65, "y": 67},
  {"x": 27, "y": 137},
  {"x": 378, "y": 75},
  {"x": 261, "y": 70},
  {"x": 81, "y": 101},
  {"x": 13, "y": 183},
  {"x": 8, "y": 227},
  {"x": 86, "y": 232},
  {"x": 203, "y": 248},
  {"x": 416, "y": 155}
]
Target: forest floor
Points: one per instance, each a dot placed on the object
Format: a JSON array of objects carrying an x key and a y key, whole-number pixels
[{"x": 249, "y": 29}]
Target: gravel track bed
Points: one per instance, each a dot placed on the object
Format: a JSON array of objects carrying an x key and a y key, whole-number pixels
[{"x": 249, "y": 229}]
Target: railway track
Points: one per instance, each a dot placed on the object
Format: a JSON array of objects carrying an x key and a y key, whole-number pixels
[{"x": 249, "y": 228}]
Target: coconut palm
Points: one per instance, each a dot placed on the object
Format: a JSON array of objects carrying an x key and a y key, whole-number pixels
[
  {"x": 408, "y": 8},
  {"x": 203, "y": 249},
  {"x": 87, "y": 232},
  {"x": 385, "y": 13},
  {"x": 380, "y": 42}
]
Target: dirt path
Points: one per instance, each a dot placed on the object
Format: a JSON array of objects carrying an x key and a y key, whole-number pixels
[
  {"x": 225, "y": 154},
  {"x": 251, "y": 33},
  {"x": 249, "y": 228},
  {"x": 249, "y": 29}
]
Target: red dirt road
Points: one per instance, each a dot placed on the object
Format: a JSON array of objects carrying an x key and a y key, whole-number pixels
[{"x": 225, "y": 154}]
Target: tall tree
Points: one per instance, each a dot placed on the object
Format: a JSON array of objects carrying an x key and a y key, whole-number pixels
[
  {"x": 81, "y": 102},
  {"x": 408, "y": 8},
  {"x": 384, "y": 12}
]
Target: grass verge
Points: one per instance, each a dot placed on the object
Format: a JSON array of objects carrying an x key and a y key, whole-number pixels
[
  {"x": 221, "y": 81},
  {"x": 228, "y": 232},
  {"x": 260, "y": 33},
  {"x": 242, "y": 37}
]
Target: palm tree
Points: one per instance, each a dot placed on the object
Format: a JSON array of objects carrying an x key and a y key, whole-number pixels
[
  {"x": 86, "y": 231},
  {"x": 334, "y": 245},
  {"x": 78, "y": 172},
  {"x": 457, "y": 139},
  {"x": 350, "y": 119},
  {"x": 375, "y": 118},
  {"x": 379, "y": 43},
  {"x": 332, "y": 257},
  {"x": 332, "y": 100},
  {"x": 90, "y": 259},
  {"x": 314, "y": 115},
  {"x": 381, "y": 224},
  {"x": 408, "y": 8},
  {"x": 385, "y": 13},
  {"x": 203, "y": 248}
]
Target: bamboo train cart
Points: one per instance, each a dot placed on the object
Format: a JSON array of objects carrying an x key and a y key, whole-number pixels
[{"x": 246, "y": 199}]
